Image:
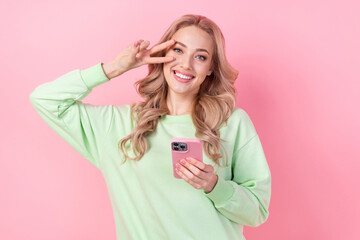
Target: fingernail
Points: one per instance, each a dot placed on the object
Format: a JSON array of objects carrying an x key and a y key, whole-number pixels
[{"x": 136, "y": 44}]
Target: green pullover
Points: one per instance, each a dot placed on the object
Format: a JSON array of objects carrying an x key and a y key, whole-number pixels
[{"x": 147, "y": 200}]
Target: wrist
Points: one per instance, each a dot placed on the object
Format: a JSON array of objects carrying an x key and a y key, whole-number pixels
[
  {"x": 212, "y": 185},
  {"x": 110, "y": 70}
]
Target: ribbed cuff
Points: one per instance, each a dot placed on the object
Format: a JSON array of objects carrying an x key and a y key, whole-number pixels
[
  {"x": 221, "y": 193},
  {"x": 94, "y": 76}
]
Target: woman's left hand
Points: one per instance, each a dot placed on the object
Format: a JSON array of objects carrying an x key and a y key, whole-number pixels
[{"x": 197, "y": 174}]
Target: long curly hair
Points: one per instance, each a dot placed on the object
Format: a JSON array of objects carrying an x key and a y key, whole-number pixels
[{"x": 213, "y": 105}]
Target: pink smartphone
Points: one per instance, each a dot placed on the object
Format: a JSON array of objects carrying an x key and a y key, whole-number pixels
[{"x": 185, "y": 147}]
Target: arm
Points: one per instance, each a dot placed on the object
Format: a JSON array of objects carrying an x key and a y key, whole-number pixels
[
  {"x": 59, "y": 104},
  {"x": 244, "y": 197},
  {"x": 83, "y": 125}
]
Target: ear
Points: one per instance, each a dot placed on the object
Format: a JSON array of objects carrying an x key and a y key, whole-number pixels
[{"x": 209, "y": 72}]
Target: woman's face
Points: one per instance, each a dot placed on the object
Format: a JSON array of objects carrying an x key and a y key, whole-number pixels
[{"x": 193, "y": 53}]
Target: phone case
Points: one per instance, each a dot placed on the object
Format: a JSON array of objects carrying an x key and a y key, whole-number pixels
[{"x": 185, "y": 147}]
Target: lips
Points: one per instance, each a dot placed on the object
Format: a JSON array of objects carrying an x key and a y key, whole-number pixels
[{"x": 183, "y": 80}]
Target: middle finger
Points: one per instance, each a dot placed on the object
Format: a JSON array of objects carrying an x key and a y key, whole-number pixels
[
  {"x": 162, "y": 46},
  {"x": 196, "y": 171}
]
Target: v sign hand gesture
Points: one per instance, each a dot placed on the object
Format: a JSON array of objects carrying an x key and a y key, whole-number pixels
[{"x": 136, "y": 55}]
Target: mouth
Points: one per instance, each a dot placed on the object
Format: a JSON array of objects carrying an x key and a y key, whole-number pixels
[{"x": 181, "y": 77}]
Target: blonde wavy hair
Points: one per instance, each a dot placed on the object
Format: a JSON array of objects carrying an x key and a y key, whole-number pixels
[{"x": 213, "y": 105}]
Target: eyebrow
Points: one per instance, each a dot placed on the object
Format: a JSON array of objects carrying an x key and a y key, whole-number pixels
[{"x": 197, "y": 49}]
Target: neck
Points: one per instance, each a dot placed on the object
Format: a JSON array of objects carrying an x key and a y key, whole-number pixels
[{"x": 179, "y": 104}]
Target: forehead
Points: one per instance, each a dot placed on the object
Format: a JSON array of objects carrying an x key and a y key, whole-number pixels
[{"x": 194, "y": 37}]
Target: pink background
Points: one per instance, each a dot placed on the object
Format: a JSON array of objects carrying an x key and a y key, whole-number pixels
[{"x": 299, "y": 82}]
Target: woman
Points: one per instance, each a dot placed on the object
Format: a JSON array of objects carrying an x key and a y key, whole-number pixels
[{"x": 188, "y": 93}]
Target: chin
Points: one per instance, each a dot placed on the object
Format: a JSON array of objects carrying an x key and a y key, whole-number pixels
[{"x": 183, "y": 89}]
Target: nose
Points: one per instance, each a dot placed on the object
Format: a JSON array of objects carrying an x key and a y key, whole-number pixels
[{"x": 186, "y": 62}]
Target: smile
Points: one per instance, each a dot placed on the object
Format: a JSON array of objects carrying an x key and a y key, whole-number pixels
[{"x": 182, "y": 78}]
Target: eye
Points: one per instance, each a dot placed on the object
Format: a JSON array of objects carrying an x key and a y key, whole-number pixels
[
  {"x": 203, "y": 58},
  {"x": 177, "y": 50}
]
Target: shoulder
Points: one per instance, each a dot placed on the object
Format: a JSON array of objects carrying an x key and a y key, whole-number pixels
[
  {"x": 120, "y": 118},
  {"x": 239, "y": 115},
  {"x": 106, "y": 110},
  {"x": 123, "y": 111},
  {"x": 240, "y": 119},
  {"x": 124, "y": 108}
]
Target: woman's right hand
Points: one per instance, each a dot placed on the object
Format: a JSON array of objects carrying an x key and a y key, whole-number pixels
[{"x": 136, "y": 55}]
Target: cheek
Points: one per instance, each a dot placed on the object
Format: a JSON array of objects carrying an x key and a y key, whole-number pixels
[
  {"x": 166, "y": 66},
  {"x": 166, "y": 70},
  {"x": 203, "y": 69},
  {"x": 171, "y": 64}
]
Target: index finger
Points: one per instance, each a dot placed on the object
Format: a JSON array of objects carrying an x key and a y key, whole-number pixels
[{"x": 162, "y": 46}]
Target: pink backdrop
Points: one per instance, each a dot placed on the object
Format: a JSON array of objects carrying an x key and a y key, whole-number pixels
[{"x": 299, "y": 82}]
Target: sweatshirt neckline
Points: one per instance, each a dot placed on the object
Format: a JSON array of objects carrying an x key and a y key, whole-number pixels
[{"x": 177, "y": 118}]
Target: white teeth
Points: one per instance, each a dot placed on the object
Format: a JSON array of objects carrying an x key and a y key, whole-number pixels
[{"x": 182, "y": 76}]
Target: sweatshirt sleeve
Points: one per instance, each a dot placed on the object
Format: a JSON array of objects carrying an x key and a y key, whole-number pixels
[
  {"x": 245, "y": 198},
  {"x": 81, "y": 125}
]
